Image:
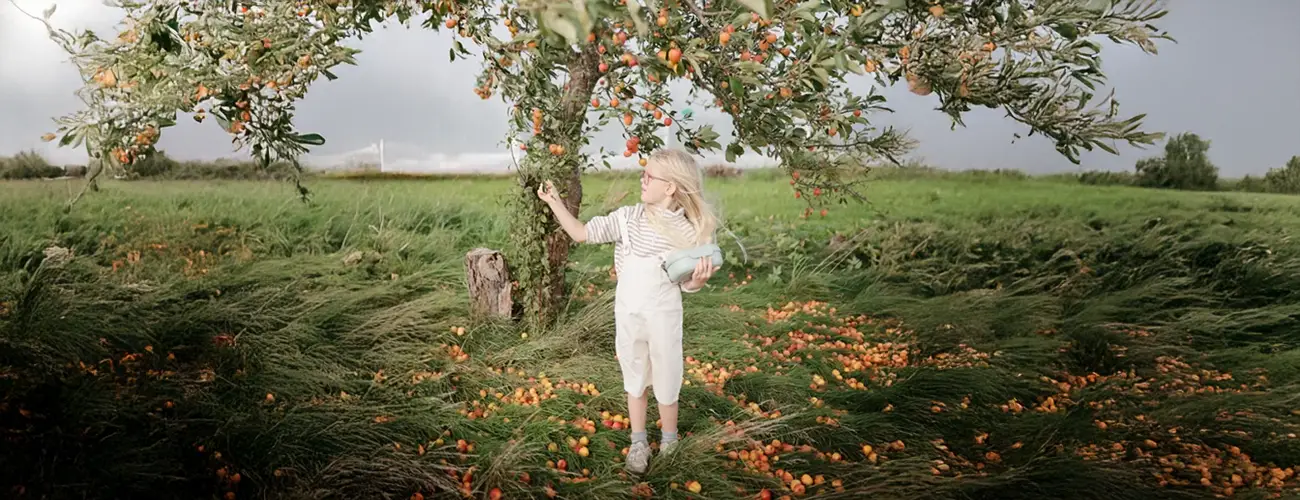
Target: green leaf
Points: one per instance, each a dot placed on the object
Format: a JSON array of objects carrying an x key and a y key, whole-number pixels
[
  {"x": 736, "y": 90},
  {"x": 873, "y": 17},
  {"x": 707, "y": 133},
  {"x": 583, "y": 21},
  {"x": 50, "y": 11},
  {"x": 1067, "y": 30},
  {"x": 1096, "y": 6},
  {"x": 329, "y": 75},
  {"x": 764, "y": 8},
  {"x": 805, "y": 10},
  {"x": 694, "y": 64},
  {"x": 313, "y": 139},
  {"x": 822, "y": 75},
  {"x": 880, "y": 11},
  {"x": 222, "y": 121},
  {"x": 567, "y": 29},
  {"x": 634, "y": 10},
  {"x": 1015, "y": 10},
  {"x": 734, "y": 150},
  {"x": 653, "y": 4},
  {"x": 560, "y": 25},
  {"x": 751, "y": 67},
  {"x": 852, "y": 65},
  {"x": 67, "y": 139}
]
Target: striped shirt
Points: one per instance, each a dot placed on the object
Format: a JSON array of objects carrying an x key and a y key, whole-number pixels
[{"x": 643, "y": 239}]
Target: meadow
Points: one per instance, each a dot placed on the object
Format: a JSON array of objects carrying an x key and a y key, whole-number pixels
[{"x": 961, "y": 336}]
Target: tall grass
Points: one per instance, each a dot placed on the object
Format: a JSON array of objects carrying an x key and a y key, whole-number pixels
[{"x": 196, "y": 331}]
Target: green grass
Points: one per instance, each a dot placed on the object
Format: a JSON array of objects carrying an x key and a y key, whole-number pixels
[{"x": 205, "y": 329}]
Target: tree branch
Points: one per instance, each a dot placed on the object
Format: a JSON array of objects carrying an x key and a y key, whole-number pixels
[
  {"x": 20, "y": 9},
  {"x": 690, "y": 4},
  {"x": 92, "y": 175}
]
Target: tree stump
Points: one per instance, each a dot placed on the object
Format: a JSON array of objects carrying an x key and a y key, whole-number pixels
[{"x": 488, "y": 279}]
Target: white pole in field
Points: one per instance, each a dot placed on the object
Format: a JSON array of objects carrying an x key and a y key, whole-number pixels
[{"x": 381, "y": 155}]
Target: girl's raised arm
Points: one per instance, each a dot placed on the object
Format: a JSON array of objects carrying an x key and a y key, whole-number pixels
[{"x": 575, "y": 228}]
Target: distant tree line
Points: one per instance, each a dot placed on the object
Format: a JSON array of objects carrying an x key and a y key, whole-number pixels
[
  {"x": 1184, "y": 165},
  {"x": 31, "y": 165}
]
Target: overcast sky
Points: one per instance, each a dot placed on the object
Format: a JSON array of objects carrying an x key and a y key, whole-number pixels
[{"x": 1233, "y": 77}]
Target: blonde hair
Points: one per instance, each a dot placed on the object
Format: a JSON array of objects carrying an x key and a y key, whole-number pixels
[{"x": 679, "y": 168}]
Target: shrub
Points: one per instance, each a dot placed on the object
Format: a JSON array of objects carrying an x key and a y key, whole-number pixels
[
  {"x": 1249, "y": 184},
  {"x": 722, "y": 170},
  {"x": 1104, "y": 178},
  {"x": 155, "y": 165},
  {"x": 31, "y": 165},
  {"x": 1285, "y": 179},
  {"x": 74, "y": 170},
  {"x": 997, "y": 173},
  {"x": 1185, "y": 165},
  {"x": 162, "y": 167},
  {"x": 28, "y": 165}
]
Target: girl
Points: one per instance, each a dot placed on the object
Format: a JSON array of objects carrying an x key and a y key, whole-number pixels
[{"x": 672, "y": 215}]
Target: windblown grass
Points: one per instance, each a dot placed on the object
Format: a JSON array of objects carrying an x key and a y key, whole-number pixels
[{"x": 985, "y": 335}]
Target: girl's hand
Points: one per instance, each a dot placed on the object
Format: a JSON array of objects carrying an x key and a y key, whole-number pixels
[
  {"x": 548, "y": 194},
  {"x": 704, "y": 270}
]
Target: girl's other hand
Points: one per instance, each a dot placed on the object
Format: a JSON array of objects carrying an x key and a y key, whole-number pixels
[{"x": 704, "y": 270}]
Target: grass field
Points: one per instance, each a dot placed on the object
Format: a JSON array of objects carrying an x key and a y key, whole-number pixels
[{"x": 964, "y": 336}]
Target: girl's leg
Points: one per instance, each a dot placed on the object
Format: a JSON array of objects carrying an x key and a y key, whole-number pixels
[
  {"x": 634, "y": 361},
  {"x": 668, "y": 417},
  {"x": 666, "y": 360},
  {"x": 638, "y": 454},
  {"x": 636, "y": 412},
  {"x": 633, "y": 350}
]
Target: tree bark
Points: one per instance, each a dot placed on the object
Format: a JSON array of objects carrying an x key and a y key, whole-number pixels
[
  {"x": 488, "y": 280},
  {"x": 583, "y": 76}
]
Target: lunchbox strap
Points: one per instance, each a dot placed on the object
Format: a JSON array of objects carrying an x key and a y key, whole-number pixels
[{"x": 738, "y": 243}]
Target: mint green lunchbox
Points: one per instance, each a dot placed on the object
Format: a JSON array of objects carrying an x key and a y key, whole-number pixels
[{"x": 680, "y": 265}]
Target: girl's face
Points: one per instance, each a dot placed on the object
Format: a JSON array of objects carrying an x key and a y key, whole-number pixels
[{"x": 655, "y": 189}]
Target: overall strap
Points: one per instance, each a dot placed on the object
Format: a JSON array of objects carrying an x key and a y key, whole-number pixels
[{"x": 626, "y": 235}]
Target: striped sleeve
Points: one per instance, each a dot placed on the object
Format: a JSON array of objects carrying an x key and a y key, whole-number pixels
[{"x": 604, "y": 228}]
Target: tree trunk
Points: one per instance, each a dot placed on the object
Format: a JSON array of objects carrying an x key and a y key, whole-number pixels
[
  {"x": 583, "y": 75},
  {"x": 489, "y": 284}
]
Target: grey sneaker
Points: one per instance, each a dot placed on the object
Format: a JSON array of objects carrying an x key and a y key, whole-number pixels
[
  {"x": 668, "y": 447},
  {"x": 638, "y": 458}
]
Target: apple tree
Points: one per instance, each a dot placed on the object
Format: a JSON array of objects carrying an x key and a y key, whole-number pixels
[{"x": 798, "y": 79}]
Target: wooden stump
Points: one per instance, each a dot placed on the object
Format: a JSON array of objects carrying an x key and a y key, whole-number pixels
[{"x": 488, "y": 280}]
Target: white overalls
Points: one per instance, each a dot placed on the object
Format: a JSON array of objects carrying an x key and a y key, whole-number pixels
[{"x": 648, "y": 326}]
